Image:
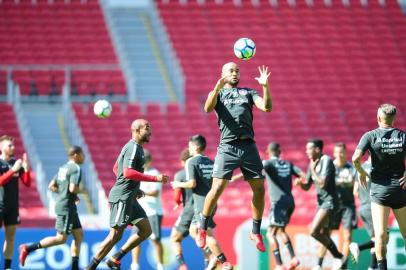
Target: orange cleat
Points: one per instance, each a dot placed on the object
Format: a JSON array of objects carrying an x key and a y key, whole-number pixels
[
  {"x": 201, "y": 238},
  {"x": 259, "y": 242},
  {"x": 23, "y": 254}
]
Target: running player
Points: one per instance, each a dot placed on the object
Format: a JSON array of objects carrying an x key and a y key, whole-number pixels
[
  {"x": 182, "y": 196},
  {"x": 237, "y": 148},
  {"x": 66, "y": 185},
  {"x": 321, "y": 172},
  {"x": 125, "y": 210},
  {"x": 152, "y": 204},
  {"x": 279, "y": 177},
  {"x": 366, "y": 217},
  {"x": 346, "y": 214},
  {"x": 387, "y": 147},
  {"x": 11, "y": 170},
  {"x": 198, "y": 174}
]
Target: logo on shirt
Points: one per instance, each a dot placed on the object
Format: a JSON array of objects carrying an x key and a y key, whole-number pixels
[{"x": 243, "y": 92}]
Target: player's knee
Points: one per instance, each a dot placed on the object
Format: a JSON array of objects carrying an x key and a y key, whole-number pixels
[
  {"x": 176, "y": 237},
  {"x": 61, "y": 238},
  {"x": 115, "y": 236}
]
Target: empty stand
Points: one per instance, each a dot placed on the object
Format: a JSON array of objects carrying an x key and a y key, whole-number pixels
[{"x": 58, "y": 33}]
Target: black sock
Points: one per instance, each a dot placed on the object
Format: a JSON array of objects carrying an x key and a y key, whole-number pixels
[
  {"x": 33, "y": 247},
  {"x": 7, "y": 264},
  {"x": 277, "y": 256},
  {"x": 367, "y": 245},
  {"x": 333, "y": 250},
  {"x": 75, "y": 263},
  {"x": 290, "y": 249},
  {"x": 120, "y": 254},
  {"x": 204, "y": 222},
  {"x": 374, "y": 262},
  {"x": 180, "y": 259},
  {"x": 222, "y": 258},
  {"x": 382, "y": 265},
  {"x": 344, "y": 266},
  {"x": 320, "y": 261},
  {"x": 93, "y": 264},
  {"x": 256, "y": 226}
]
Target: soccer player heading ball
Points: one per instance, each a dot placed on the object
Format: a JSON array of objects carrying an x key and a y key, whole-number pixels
[{"x": 237, "y": 148}]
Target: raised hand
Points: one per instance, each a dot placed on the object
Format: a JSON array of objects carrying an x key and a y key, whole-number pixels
[
  {"x": 17, "y": 165},
  {"x": 25, "y": 162},
  {"x": 220, "y": 83},
  {"x": 263, "y": 76}
]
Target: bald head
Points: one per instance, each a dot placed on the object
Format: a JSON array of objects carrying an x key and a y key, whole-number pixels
[
  {"x": 386, "y": 114},
  {"x": 141, "y": 131},
  {"x": 228, "y": 65},
  {"x": 231, "y": 72},
  {"x": 138, "y": 123}
]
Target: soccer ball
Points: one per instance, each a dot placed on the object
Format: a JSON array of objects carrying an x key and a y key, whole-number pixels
[
  {"x": 244, "y": 48},
  {"x": 102, "y": 108}
]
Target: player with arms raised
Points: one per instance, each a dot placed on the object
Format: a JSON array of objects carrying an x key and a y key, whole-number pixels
[{"x": 237, "y": 149}]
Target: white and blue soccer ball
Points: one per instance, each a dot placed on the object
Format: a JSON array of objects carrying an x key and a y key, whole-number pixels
[
  {"x": 244, "y": 48},
  {"x": 102, "y": 108}
]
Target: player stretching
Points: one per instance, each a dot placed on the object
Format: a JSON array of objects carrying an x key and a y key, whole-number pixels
[
  {"x": 279, "y": 177},
  {"x": 387, "y": 147},
  {"x": 124, "y": 209},
  {"x": 11, "y": 170},
  {"x": 237, "y": 148},
  {"x": 346, "y": 214},
  {"x": 152, "y": 204},
  {"x": 66, "y": 185},
  {"x": 198, "y": 174},
  {"x": 321, "y": 172},
  {"x": 366, "y": 217}
]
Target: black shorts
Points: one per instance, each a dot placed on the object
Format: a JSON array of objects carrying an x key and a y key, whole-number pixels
[
  {"x": 366, "y": 217},
  {"x": 123, "y": 213},
  {"x": 347, "y": 215},
  {"x": 10, "y": 216},
  {"x": 66, "y": 223},
  {"x": 388, "y": 194},
  {"x": 241, "y": 154},
  {"x": 183, "y": 222},
  {"x": 281, "y": 211}
]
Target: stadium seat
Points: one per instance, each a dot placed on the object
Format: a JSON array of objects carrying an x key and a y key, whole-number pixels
[{"x": 61, "y": 34}]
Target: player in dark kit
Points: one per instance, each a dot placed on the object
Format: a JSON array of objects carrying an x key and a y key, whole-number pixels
[
  {"x": 199, "y": 169},
  {"x": 183, "y": 196},
  {"x": 346, "y": 213},
  {"x": 11, "y": 170},
  {"x": 237, "y": 148},
  {"x": 387, "y": 147},
  {"x": 366, "y": 217},
  {"x": 124, "y": 209},
  {"x": 66, "y": 185},
  {"x": 321, "y": 172},
  {"x": 279, "y": 177}
]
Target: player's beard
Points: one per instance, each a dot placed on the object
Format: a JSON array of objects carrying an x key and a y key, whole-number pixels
[
  {"x": 233, "y": 83},
  {"x": 145, "y": 137}
]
